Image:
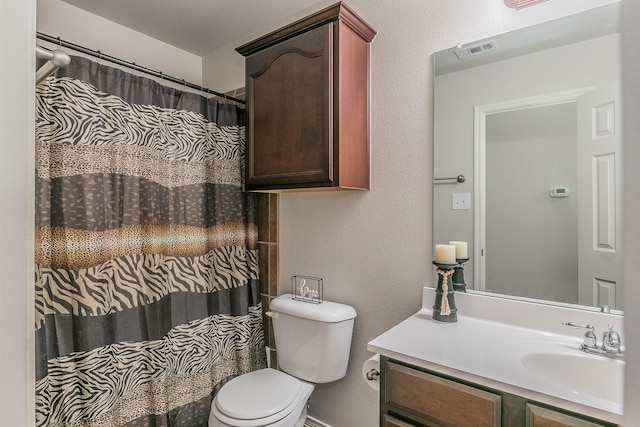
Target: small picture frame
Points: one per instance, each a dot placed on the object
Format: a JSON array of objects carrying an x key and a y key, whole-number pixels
[{"x": 307, "y": 289}]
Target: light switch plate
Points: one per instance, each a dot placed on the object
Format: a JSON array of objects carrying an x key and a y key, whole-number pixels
[{"x": 461, "y": 201}]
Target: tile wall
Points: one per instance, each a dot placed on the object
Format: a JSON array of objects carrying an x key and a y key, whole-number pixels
[{"x": 268, "y": 255}]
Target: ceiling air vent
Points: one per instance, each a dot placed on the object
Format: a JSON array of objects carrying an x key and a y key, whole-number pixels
[{"x": 476, "y": 49}]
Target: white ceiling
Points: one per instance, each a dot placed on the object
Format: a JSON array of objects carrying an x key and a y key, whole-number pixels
[
  {"x": 203, "y": 26},
  {"x": 197, "y": 26}
]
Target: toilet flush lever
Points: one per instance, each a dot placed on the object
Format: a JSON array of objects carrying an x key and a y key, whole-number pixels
[{"x": 271, "y": 314}]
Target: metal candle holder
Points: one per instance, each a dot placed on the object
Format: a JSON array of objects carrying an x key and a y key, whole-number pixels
[
  {"x": 444, "y": 306},
  {"x": 459, "y": 284}
]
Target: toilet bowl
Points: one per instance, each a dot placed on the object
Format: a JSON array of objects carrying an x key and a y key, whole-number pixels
[
  {"x": 261, "y": 398},
  {"x": 313, "y": 343}
]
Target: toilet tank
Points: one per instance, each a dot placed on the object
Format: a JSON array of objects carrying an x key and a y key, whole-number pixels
[{"x": 312, "y": 340}]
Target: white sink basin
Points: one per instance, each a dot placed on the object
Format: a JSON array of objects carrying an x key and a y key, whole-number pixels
[
  {"x": 565, "y": 367},
  {"x": 595, "y": 376}
]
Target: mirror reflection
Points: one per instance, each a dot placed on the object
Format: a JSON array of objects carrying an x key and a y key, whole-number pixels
[{"x": 531, "y": 119}]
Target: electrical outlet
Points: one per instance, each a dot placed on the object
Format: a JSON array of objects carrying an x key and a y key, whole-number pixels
[{"x": 461, "y": 201}]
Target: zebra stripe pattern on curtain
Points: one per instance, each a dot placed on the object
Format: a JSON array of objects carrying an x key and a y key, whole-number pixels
[{"x": 146, "y": 288}]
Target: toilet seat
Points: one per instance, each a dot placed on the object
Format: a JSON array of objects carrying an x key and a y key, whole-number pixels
[{"x": 259, "y": 398}]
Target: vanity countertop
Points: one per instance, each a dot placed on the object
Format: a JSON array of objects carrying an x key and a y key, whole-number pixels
[{"x": 490, "y": 353}]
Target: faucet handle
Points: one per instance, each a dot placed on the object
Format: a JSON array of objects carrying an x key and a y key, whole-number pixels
[
  {"x": 611, "y": 341},
  {"x": 590, "y": 340}
]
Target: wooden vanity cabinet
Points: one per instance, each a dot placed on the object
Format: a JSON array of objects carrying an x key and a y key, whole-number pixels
[
  {"x": 414, "y": 397},
  {"x": 307, "y": 88}
]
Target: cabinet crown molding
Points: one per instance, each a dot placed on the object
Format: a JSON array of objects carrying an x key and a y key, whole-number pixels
[{"x": 339, "y": 11}]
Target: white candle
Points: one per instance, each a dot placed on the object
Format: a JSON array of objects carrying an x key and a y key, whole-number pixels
[
  {"x": 461, "y": 249},
  {"x": 445, "y": 254}
]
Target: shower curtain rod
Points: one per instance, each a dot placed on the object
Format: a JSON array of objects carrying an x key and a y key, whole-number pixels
[
  {"x": 56, "y": 59},
  {"x": 133, "y": 66}
]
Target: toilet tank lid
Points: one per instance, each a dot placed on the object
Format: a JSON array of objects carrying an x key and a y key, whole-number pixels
[{"x": 326, "y": 311}]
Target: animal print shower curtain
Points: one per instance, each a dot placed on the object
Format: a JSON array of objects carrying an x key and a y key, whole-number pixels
[{"x": 147, "y": 295}]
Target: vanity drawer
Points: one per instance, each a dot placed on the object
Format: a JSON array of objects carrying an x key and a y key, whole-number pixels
[
  {"x": 537, "y": 416},
  {"x": 440, "y": 401},
  {"x": 389, "y": 421}
]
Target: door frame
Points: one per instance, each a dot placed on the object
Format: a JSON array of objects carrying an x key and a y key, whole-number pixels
[{"x": 480, "y": 114}]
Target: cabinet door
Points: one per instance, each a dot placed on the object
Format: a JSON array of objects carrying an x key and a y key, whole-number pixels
[
  {"x": 537, "y": 416},
  {"x": 290, "y": 101},
  {"x": 389, "y": 421},
  {"x": 439, "y": 401}
]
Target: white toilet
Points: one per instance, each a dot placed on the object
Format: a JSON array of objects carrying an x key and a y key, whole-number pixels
[{"x": 313, "y": 343}]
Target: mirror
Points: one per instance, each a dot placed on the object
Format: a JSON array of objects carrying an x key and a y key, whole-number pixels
[{"x": 531, "y": 119}]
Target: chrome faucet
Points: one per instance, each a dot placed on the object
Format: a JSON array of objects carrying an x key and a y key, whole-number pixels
[
  {"x": 590, "y": 340},
  {"x": 611, "y": 343}
]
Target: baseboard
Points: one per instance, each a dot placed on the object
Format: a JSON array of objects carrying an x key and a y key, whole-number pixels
[{"x": 314, "y": 422}]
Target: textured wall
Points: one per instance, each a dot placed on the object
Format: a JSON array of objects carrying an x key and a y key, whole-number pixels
[
  {"x": 17, "y": 24},
  {"x": 70, "y": 23},
  {"x": 373, "y": 249},
  {"x": 223, "y": 69}
]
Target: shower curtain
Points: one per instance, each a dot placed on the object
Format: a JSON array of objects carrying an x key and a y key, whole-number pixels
[{"x": 147, "y": 294}]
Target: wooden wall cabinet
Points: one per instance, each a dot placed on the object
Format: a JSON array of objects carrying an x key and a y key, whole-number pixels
[
  {"x": 414, "y": 397},
  {"x": 307, "y": 88}
]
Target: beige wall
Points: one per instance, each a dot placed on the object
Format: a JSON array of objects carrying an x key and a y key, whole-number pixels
[
  {"x": 374, "y": 249},
  {"x": 59, "y": 19},
  {"x": 17, "y": 23},
  {"x": 223, "y": 69}
]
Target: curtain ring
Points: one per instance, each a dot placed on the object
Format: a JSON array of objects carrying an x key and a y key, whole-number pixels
[
  {"x": 59, "y": 43},
  {"x": 99, "y": 59},
  {"x": 184, "y": 84},
  {"x": 161, "y": 77}
]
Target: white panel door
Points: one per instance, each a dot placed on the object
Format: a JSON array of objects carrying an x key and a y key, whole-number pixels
[{"x": 599, "y": 193}]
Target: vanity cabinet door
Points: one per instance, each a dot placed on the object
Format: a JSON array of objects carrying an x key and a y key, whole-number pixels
[
  {"x": 438, "y": 401},
  {"x": 537, "y": 416},
  {"x": 289, "y": 91}
]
